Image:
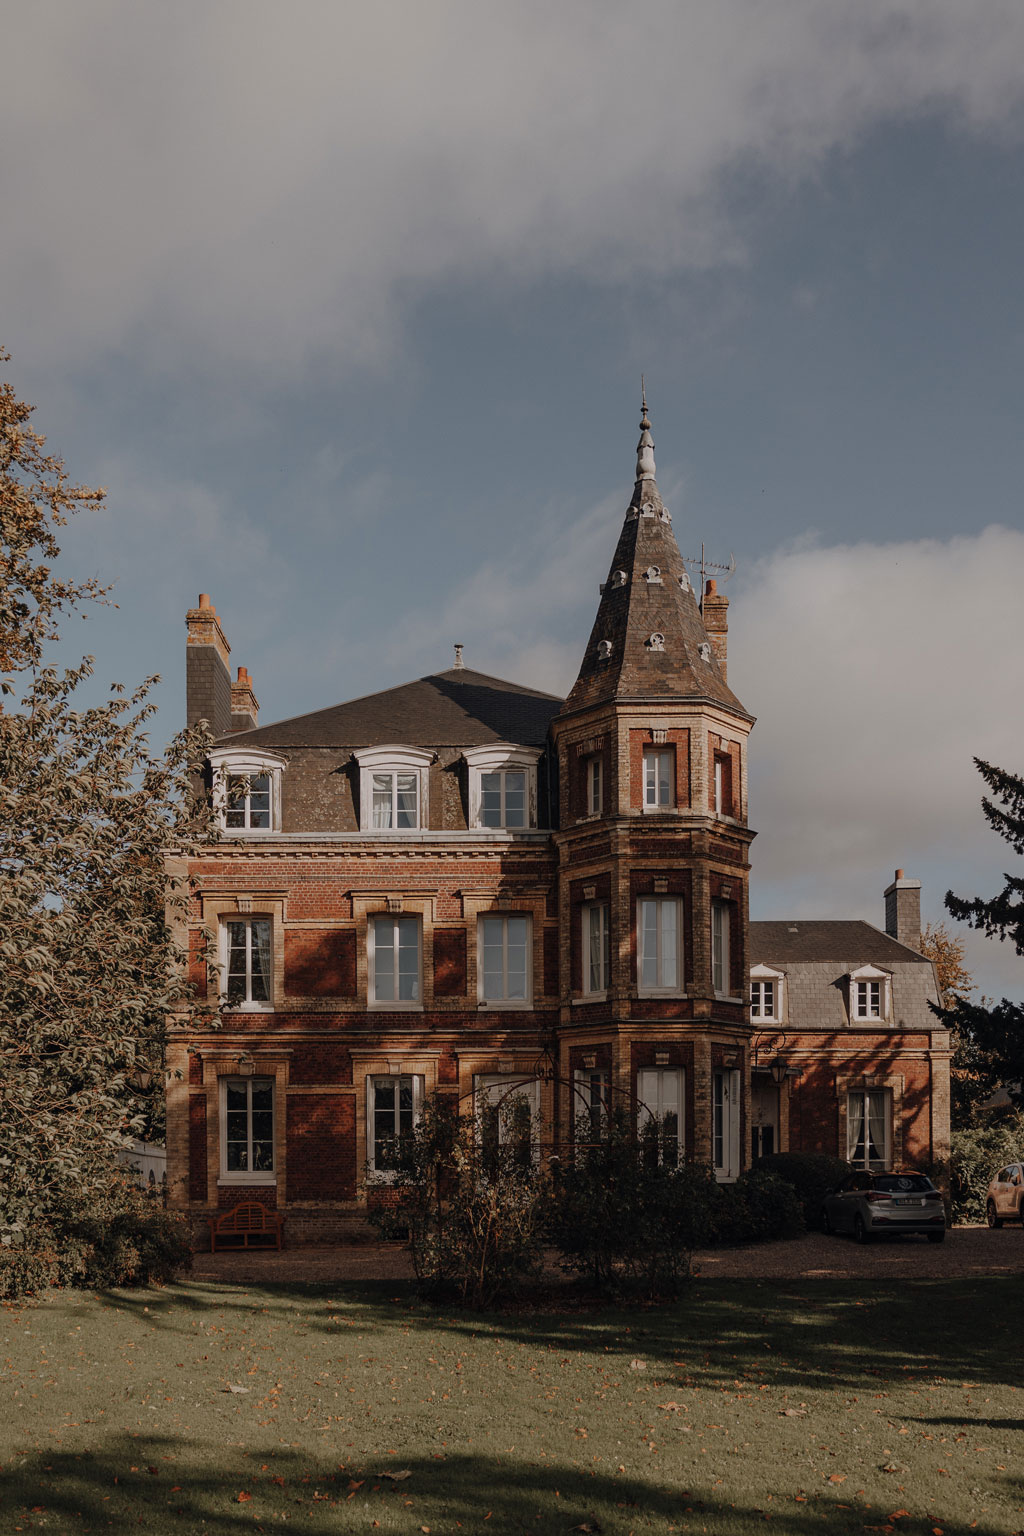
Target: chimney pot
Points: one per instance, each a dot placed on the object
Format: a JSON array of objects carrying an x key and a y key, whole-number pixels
[
  {"x": 899, "y": 874},
  {"x": 204, "y": 600},
  {"x": 712, "y": 587}
]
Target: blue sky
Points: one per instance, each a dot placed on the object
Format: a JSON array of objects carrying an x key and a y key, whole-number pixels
[{"x": 347, "y": 309}]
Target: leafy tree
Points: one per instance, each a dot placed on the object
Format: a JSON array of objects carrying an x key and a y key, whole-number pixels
[
  {"x": 36, "y": 498},
  {"x": 994, "y": 1032},
  {"x": 88, "y": 818},
  {"x": 972, "y": 1079}
]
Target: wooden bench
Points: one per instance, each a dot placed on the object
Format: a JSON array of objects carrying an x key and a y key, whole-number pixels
[{"x": 247, "y": 1221}]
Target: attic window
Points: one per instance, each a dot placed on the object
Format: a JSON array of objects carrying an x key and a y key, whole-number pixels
[
  {"x": 502, "y": 786},
  {"x": 393, "y": 788},
  {"x": 647, "y": 509},
  {"x": 704, "y": 650},
  {"x": 604, "y": 649},
  {"x": 652, "y": 575},
  {"x": 619, "y": 579},
  {"x": 870, "y": 994},
  {"x": 657, "y": 641},
  {"x": 247, "y": 790},
  {"x": 684, "y": 581}
]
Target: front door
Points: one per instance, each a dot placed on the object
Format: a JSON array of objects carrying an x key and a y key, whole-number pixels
[{"x": 764, "y": 1116}]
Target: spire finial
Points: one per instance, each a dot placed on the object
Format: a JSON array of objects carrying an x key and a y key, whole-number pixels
[{"x": 645, "y": 447}]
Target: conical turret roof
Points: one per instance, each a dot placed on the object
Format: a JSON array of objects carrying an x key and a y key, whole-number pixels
[{"x": 648, "y": 639}]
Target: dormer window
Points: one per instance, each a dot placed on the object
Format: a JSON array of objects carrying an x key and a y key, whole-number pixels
[
  {"x": 766, "y": 995},
  {"x": 393, "y": 788},
  {"x": 247, "y": 789},
  {"x": 869, "y": 994},
  {"x": 502, "y": 786}
]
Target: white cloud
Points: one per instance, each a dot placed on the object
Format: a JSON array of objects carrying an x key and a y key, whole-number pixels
[
  {"x": 878, "y": 672},
  {"x": 271, "y": 184}
]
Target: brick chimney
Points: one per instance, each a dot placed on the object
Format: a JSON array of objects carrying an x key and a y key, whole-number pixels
[
  {"x": 903, "y": 910},
  {"x": 207, "y": 669},
  {"x": 715, "y": 613},
  {"x": 245, "y": 711}
]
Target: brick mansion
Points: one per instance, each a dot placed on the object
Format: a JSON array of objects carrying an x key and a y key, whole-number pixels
[{"x": 462, "y": 885}]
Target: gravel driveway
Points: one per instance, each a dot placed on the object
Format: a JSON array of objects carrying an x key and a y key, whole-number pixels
[{"x": 966, "y": 1251}]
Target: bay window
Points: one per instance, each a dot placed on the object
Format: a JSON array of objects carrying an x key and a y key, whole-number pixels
[
  {"x": 659, "y": 779},
  {"x": 596, "y": 947},
  {"x": 659, "y": 1092}
]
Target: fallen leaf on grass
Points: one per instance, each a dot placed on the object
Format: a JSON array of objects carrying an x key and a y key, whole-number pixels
[
  {"x": 243, "y": 1497},
  {"x": 792, "y": 1413},
  {"x": 236, "y": 1389},
  {"x": 395, "y": 1477},
  {"x": 837, "y": 1477},
  {"x": 587, "y": 1525},
  {"x": 900, "y": 1514},
  {"x": 638, "y": 1365}
]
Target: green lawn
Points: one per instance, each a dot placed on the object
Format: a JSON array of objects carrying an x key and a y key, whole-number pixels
[{"x": 807, "y": 1407}]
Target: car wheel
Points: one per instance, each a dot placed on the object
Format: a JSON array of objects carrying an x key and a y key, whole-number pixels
[
  {"x": 860, "y": 1231},
  {"x": 937, "y": 1237},
  {"x": 990, "y": 1215}
]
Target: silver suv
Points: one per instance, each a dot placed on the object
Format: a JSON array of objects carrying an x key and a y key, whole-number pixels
[
  {"x": 885, "y": 1204},
  {"x": 1005, "y": 1198}
]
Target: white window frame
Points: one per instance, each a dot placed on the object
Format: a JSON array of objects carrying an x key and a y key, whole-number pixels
[
  {"x": 721, "y": 948},
  {"x": 393, "y": 759},
  {"x": 726, "y": 1089},
  {"x": 761, "y": 976},
  {"x": 599, "y": 913},
  {"x": 875, "y": 1165},
  {"x": 655, "y": 754},
  {"x": 504, "y": 1003},
  {"x": 245, "y": 1175},
  {"x": 660, "y": 989},
  {"x": 246, "y": 919},
  {"x": 661, "y": 1091},
  {"x": 867, "y": 976},
  {"x": 594, "y": 767},
  {"x": 501, "y": 757},
  {"x": 398, "y": 1078},
  {"x": 408, "y": 1005},
  {"x": 227, "y": 763},
  {"x": 497, "y": 1088}
]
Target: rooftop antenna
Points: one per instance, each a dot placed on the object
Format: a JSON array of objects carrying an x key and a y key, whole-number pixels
[{"x": 705, "y": 565}]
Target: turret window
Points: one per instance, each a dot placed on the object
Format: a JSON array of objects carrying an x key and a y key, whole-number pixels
[
  {"x": 720, "y": 924},
  {"x": 659, "y": 777},
  {"x": 595, "y": 786},
  {"x": 659, "y": 942},
  {"x": 596, "y": 947}
]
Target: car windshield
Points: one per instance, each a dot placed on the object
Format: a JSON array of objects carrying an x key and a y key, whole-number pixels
[{"x": 902, "y": 1183}]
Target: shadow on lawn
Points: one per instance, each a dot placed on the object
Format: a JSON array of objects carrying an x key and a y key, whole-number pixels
[
  {"x": 156, "y": 1489},
  {"x": 825, "y": 1334}
]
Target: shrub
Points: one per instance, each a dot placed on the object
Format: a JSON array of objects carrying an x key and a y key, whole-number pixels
[
  {"x": 465, "y": 1192},
  {"x": 624, "y": 1217},
  {"x": 812, "y": 1174},
  {"x": 125, "y": 1237},
  {"x": 760, "y": 1207},
  {"x": 976, "y": 1153}
]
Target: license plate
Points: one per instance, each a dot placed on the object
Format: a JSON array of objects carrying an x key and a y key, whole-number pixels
[{"x": 909, "y": 1200}]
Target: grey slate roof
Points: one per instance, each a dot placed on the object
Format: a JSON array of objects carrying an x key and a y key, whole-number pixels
[
  {"x": 630, "y": 613},
  {"x": 822, "y": 940},
  {"x": 454, "y": 708}
]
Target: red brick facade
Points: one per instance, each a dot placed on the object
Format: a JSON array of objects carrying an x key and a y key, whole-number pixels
[{"x": 372, "y": 959}]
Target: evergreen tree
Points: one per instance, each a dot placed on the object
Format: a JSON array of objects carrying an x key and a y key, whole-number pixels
[{"x": 994, "y": 1032}]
